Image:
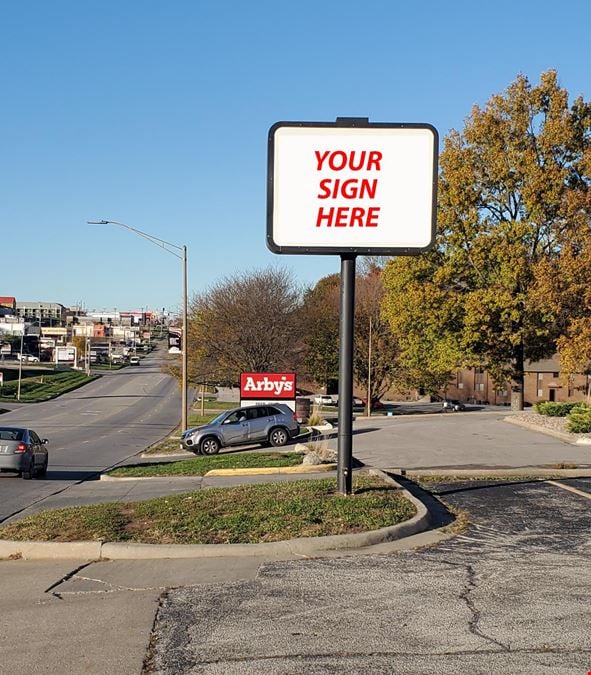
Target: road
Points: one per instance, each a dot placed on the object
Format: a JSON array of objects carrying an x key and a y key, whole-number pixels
[{"x": 93, "y": 428}]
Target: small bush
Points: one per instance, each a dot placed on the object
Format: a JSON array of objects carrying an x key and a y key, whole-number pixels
[
  {"x": 552, "y": 409},
  {"x": 579, "y": 421},
  {"x": 316, "y": 418}
]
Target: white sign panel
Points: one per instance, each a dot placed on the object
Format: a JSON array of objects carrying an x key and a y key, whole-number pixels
[
  {"x": 366, "y": 189},
  {"x": 65, "y": 354}
]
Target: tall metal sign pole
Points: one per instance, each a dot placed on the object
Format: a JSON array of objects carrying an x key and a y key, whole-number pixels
[
  {"x": 346, "y": 337},
  {"x": 351, "y": 188}
]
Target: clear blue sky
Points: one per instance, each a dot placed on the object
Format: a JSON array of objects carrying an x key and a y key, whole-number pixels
[{"x": 156, "y": 114}]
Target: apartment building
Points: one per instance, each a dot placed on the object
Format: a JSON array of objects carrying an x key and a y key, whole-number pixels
[
  {"x": 47, "y": 313},
  {"x": 543, "y": 382}
]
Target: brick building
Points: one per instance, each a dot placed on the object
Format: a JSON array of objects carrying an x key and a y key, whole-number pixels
[{"x": 543, "y": 382}]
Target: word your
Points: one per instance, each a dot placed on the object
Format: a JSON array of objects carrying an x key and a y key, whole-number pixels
[{"x": 350, "y": 188}]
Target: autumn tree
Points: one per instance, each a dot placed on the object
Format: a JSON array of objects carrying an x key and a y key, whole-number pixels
[
  {"x": 564, "y": 287},
  {"x": 320, "y": 336},
  {"x": 245, "y": 323},
  {"x": 376, "y": 349},
  {"x": 513, "y": 197},
  {"x": 80, "y": 342}
]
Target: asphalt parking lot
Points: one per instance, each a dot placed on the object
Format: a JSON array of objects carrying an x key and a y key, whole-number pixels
[{"x": 507, "y": 595}]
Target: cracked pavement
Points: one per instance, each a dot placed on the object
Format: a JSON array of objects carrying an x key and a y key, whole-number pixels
[{"x": 508, "y": 595}]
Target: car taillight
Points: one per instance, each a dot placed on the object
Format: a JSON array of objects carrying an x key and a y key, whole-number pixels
[{"x": 21, "y": 447}]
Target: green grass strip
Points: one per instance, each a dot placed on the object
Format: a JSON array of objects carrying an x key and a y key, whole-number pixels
[
  {"x": 201, "y": 465},
  {"x": 245, "y": 514},
  {"x": 45, "y": 386}
]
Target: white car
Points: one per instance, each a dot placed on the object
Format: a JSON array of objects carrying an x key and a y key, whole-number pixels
[
  {"x": 27, "y": 358},
  {"x": 323, "y": 399},
  {"x": 134, "y": 360}
]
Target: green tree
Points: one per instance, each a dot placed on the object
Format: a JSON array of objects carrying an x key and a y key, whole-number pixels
[
  {"x": 425, "y": 319},
  {"x": 513, "y": 196}
]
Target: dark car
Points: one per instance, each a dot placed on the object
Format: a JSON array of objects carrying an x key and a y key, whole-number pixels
[
  {"x": 376, "y": 404},
  {"x": 452, "y": 405},
  {"x": 275, "y": 424},
  {"x": 22, "y": 450}
]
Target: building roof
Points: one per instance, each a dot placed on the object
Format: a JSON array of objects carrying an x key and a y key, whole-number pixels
[
  {"x": 7, "y": 300},
  {"x": 28, "y": 304},
  {"x": 543, "y": 366}
]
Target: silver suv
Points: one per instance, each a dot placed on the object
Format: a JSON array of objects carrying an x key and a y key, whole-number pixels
[{"x": 274, "y": 423}]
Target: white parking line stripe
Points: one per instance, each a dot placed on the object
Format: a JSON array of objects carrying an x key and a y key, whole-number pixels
[{"x": 570, "y": 489}]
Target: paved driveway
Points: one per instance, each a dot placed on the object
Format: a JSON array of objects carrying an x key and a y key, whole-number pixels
[{"x": 459, "y": 441}]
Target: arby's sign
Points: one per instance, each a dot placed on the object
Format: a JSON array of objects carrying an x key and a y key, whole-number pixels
[
  {"x": 364, "y": 188},
  {"x": 264, "y": 386}
]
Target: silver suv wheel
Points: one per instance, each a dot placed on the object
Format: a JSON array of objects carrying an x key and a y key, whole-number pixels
[
  {"x": 278, "y": 437},
  {"x": 209, "y": 446}
]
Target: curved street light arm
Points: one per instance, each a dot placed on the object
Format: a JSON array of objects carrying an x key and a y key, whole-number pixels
[{"x": 155, "y": 240}]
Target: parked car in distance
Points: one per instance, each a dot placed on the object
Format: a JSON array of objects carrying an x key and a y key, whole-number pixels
[
  {"x": 22, "y": 450},
  {"x": 357, "y": 402},
  {"x": 324, "y": 399},
  {"x": 376, "y": 404},
  {"x": 134, "y": 360},
  {"x": 275, "y": 424},
  {"x": 452, "y": 405},
  {"x": 27, "y": 358}
]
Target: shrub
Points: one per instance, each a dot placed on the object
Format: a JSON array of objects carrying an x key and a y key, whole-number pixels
[
  {"x": 552, "y": 409},
  {"x": 579, "y": 421},
  {"x": 316, "y": 418}
]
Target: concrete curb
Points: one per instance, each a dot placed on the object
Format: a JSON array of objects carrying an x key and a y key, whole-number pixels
[
  {"x": 121, "y": 479},
  {"x": 39, "y": 550},
  {"x": 268, "y": 470},
  {"x": 303, "y": 546},
  {"x": 573, "y": 439},
  {"x": 253, "y": 471}
]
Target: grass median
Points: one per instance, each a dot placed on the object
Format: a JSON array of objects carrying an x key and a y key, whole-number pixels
[
  {"x": 246, "y": 514},
  {"x": 201, "y": 465},
  {"x": 45, "y": 385}
]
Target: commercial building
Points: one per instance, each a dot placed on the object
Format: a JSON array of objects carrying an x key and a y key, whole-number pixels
[
  {"x": 7, "y": 302},
  {"x": 48, "y": 313}
]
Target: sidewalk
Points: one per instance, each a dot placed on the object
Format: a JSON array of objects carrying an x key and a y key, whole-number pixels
[{"x": 94, "y": 618}]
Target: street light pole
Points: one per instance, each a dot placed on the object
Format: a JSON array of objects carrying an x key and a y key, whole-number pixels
[
  {"x": 179, "y": 252},
  {"x": 20, "y": 364},
  {"x": 185, "y": 344}
]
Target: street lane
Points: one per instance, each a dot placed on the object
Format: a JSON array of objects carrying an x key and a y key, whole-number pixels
[{"x": 93, "y": 428}]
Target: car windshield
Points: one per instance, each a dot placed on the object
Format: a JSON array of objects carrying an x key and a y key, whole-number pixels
[{"x": 219, "y": 418}]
